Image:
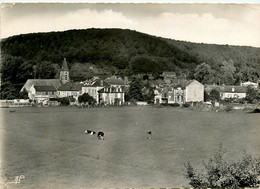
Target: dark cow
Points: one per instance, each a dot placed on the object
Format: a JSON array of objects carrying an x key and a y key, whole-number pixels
[
  {"x": 100, "y": 135},
  {"x": 149, "y": 134},
  {"x": 89, "y": 132}
]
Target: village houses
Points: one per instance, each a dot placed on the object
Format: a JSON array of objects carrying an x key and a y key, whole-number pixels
[
  {"x": 109, "y": 91},
  {"x": 184, "y": 92},
  {"x": 112, "y": 90}
]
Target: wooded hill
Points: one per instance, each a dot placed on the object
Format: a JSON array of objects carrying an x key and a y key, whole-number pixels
[{"x": 116, "y": 51}]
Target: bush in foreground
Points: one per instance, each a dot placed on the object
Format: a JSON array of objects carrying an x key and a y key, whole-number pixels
[{"x": 219, "y": 173}]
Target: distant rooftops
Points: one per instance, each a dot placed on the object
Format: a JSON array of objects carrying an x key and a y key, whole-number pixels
[{"x": 114, "y": 80}]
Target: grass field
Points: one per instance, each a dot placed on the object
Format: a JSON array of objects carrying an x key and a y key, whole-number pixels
[{"x": 49, "y": 147}]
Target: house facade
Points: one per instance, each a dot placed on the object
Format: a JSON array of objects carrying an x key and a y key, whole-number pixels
[
  {"x": 42, "y": 93},
  {"x": 93, "y": 87},
  {"x": 112, "y": 95},
  {"x": 228, "y": 92},
  {"x": 189, "y": 91},
  {"x": 69, "y": 89}
]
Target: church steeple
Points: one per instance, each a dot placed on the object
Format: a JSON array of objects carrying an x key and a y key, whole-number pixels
[{"x": 64, "y": 72}]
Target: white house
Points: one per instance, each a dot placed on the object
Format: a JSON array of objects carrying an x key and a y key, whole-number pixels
[
  {"x": 112, "y": 95},
  {"x": 232, "y": 92},
  {"x": 42, "y": 93},
  {"x": 188, "y": 91},
  {"x": 69, "y": 89},
  {"x": 228, "y": 92},
  {"x": 93, "y": 87}
]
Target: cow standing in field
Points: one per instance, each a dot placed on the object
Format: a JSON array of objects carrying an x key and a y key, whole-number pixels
[
  {"x": 100, "y": 135},
  {"x": 149, "y": 135}
]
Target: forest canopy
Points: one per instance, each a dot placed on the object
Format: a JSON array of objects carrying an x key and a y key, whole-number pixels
[{"x": 120, "y": 52}]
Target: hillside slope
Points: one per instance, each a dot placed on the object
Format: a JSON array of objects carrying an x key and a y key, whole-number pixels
[{"x": 114, "y": 51}]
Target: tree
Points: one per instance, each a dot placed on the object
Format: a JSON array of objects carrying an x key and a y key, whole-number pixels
[
  {"x": 87, "y": 98},
  {"x": 206, "y": 97},
  {"x": 214, "y": 95},
  {"x": 9, "y": 69},
  {"x": 219, "y": 173},
  {"x": 135, "y": 90},
  {"x": 252, "y": 95},
  {"x": 204, "y": 74},
  {"x": 227, "y": 71},
  {"x": 8, "y": 91},
  {"x": 145, "y": 64},
  {"x": 45, "y": 70},
  {"x": 148, "y": 95},
  {"x": 64, "y": 101}
]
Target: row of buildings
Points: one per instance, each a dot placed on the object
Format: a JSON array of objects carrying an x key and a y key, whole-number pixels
[
  {"x": 108, "y": 91},
  {"x": 112, "y": 89},
  {"x": 172, "y": 90}
]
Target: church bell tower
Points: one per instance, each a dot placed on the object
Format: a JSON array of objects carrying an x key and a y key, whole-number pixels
[{"x": 64, "y": 72}]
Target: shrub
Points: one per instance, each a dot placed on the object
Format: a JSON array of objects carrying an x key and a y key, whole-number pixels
[
  {"x": 219, "y": 173},
  {"x": 228, "y": 108},
  {"x": 176, "y": 105},
  {"x": 64, "y": 101},
  {"x": 186, "y": 105},
  {"x": 86, "y": 98}
]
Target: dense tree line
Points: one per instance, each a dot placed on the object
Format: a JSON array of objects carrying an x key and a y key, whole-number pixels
[{"x": 121, "y": 52}]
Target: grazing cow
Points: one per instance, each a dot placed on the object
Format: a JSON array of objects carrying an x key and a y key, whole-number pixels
[
  {"x": 100, "y": 135},
  {"x": 149, "y": 134},
  {"x": 89, "y": 132}
]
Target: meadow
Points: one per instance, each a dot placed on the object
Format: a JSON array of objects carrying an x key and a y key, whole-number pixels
[{"x": 49, "y": 147}]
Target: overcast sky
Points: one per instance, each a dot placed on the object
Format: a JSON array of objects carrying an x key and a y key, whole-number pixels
[{"x": 234, "y": 24}]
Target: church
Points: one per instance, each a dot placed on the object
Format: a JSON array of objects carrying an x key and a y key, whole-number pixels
[{"x": 42, "y": 90}]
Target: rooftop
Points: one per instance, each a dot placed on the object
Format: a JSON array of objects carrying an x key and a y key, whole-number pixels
[
  {"x": 64, "y": 65},
  {"x": 226, "y": 88},
  {"x": 45, "y": 88},
  {"x": 70, "y": 87}
]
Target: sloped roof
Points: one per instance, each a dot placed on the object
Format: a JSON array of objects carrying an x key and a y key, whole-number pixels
[
  {"x": 97, "y": 83},
  {"x": 184, "y": 83},
  {"x": 226, "y": 89},
  {"x": 233, "y": 89},
  {"x": 45, "y": 88},
  {"x": 71, "y": 86},
  {"x": 248, "y": 83},
  {"x": 115, "y": 81},
  {"x": 64, "y": 65},
  {"x": 41, "y": 82}
]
